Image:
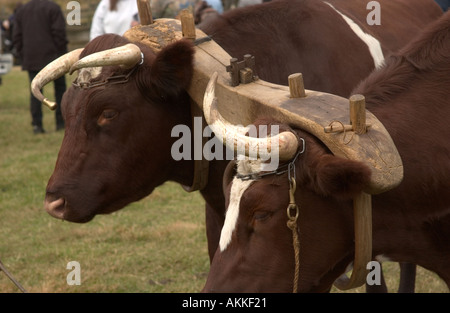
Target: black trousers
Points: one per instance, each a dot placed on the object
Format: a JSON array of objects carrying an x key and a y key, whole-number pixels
[
  {"x": 444, "y": 4},
  {"x": 36, "y": 105}
]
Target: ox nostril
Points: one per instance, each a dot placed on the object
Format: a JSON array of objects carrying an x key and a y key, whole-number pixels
[{"x": 55, "y": 208}]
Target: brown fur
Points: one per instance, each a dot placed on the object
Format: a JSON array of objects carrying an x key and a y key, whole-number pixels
[{"x": 306, "y": 36}]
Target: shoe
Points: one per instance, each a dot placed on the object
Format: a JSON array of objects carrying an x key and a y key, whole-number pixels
[{"x": 38, "y": 130}]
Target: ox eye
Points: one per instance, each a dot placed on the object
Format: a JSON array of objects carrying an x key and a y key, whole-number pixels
[
  {"x": 106, "y": 116},
  {"x": 261, "y": 216}
]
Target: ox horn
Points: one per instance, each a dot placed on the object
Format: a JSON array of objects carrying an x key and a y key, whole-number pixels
[
  {"x": 126, "y": 56},
  {"x": 53, "y": 71},
  {"x": 287, "y": 141}
]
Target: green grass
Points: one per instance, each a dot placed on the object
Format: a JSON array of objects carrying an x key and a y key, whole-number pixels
[{"x": 155, "y": 245}]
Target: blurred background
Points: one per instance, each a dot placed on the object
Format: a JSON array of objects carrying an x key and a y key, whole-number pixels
[{"x": 78, "y": 35}]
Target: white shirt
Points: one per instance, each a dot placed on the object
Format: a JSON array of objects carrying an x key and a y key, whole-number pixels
[{"x": 116, "y": 22}]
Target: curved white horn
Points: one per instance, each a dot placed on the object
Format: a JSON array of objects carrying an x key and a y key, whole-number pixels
[
  {"x": 126, "y": 56},
  {"x": 52, "y": 71},
  {"x": 234, "y": 136}
]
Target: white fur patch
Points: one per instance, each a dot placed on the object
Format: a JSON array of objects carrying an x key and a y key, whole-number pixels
[
  {"x": 85, "y": 75},
  {"x": 238, "y": 188},
  {"x": 371, "y": 42}
]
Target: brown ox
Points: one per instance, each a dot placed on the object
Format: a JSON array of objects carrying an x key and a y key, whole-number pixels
[
  {"x": 281, "y": 31},
  {"x": 117, "y": 143},
  {"x": 411, "y": 223}
]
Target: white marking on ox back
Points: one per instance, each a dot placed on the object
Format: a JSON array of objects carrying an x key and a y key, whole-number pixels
[
  {"x": 238, "y": 188},
  {"x": 369, "y": 40},
  {"x": 382, "y": 258}
]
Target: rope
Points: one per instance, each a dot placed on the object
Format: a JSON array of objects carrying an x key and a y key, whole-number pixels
[
  {"x": 3, "y": 268},
  {"x": 292, "y": 213},
  {"x": 292, "y": 209}
]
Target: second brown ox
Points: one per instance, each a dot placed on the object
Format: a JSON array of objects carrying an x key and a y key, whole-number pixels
[{"x": 411, "y": 223}]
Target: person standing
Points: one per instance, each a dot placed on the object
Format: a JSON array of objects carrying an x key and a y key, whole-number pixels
[
  {"x": 114, "y": 16},
  {"x": 40, "y": 37},
  {"x": 444, "y": 4},
  {"x": 7, "y": 29}
]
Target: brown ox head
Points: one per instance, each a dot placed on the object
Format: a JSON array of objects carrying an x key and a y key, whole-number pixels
[
  {"x": 119, "y": 113},
  {"x": 256, "y": 252}
]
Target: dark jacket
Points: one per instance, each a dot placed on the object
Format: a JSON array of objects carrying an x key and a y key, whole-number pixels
[
  {"x": 39, "y": 34},
  {"x": 444, "y": 4}
]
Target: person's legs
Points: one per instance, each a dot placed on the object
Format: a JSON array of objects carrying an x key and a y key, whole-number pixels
[
  {"x": 35, "y": 108},
  {"x": 60, "y": 88}
]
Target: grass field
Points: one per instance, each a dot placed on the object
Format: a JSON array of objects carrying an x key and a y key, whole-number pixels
[{"x": 155, "y": 245}]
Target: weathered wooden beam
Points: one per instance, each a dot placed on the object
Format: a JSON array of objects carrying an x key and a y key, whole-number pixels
[
  {"x": 145, "y": 12},
  {"x": 260, "y": 98},
  {"x": 362, "y": 214}
]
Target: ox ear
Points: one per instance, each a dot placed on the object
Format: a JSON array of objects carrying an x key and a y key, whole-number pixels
[
  {"x": 172, "y": 69},
  {"x": 339, "y": 178}
]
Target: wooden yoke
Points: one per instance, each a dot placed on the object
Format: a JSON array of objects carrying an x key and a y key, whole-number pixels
[
  {"x": 322, "y": 115},
  {"x": 316, "y": 112}
]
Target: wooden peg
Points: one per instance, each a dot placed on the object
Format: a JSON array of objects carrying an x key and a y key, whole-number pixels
[
  {"x": 358, "y": 114},
  {"x": 357, "y": 118},
  {"x": 296, "y": 86},
  {"x": 337, "y": 129},
  {"x": 250, "y": 62},
  {"x": 233, "y": 69},
  {"x": 245, "y": 75},
  {"x": 187, "y": 24},
  {"x": 145, "y": 12}
]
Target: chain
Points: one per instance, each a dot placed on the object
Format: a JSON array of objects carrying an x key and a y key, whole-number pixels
[{"x": 117, "y": 79}]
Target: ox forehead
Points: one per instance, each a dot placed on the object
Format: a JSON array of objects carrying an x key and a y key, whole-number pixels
[
  {"x": 247, "y": 172},
  {"x": 85, "y": 75}
]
